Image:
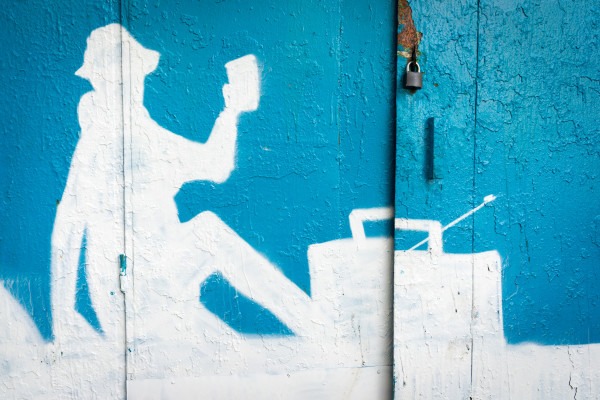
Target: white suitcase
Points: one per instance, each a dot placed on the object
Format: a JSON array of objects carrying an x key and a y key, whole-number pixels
[
  {"x": 448, "y": 338},
  {"x": 353, "y": 278}
]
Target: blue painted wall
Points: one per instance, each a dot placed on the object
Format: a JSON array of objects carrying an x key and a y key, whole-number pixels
[
  {"x": 538, "y": 144},
  {"x": 513, "y": 88},
  {"x": 320, "y": 144}
]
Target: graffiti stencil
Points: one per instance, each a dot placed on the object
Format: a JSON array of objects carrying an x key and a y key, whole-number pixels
[{"x": 118, "y": 243}]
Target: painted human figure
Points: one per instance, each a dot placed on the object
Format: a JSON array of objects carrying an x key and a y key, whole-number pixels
[{"x": 171, "y": 259}]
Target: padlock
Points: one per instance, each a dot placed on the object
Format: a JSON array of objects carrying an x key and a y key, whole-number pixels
[{"x": 414, "y": 79}]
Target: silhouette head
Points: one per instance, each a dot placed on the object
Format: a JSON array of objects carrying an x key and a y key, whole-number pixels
[{"x": 112, "y": 50}]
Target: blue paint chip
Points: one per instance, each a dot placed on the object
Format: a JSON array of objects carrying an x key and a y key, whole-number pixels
[
  {"x": 83, "y": 302},
  {"x": 238, "y": 311}
]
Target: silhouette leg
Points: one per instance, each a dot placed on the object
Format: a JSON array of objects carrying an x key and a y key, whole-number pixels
[{"x": 253, "y": 275}]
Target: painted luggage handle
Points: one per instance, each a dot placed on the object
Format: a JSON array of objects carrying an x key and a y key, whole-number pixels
[
  {"x": 435, "y": 246},
  {"x": 361, "y": 215}
]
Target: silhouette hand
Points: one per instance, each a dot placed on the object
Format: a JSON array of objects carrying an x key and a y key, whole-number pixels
[{"x": 242, "y": 93}]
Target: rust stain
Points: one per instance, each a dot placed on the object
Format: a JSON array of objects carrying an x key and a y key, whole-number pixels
[{"x": 408, "y": 38}]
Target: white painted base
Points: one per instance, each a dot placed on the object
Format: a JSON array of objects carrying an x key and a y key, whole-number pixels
[{"x": 340, "y": 383}]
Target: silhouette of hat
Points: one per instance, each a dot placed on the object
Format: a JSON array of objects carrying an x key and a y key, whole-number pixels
[{"x": 112, "y": 47}]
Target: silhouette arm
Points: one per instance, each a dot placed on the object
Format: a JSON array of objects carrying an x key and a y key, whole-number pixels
[
  {"x": 211, "y": 161},
  {"x": 215, "y": 160}
]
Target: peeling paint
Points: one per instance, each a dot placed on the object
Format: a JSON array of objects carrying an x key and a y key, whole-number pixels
[{"x": 408, "y": 36}]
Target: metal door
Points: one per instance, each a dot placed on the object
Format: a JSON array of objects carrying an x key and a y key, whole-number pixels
[{"x": 500, "y": 149}]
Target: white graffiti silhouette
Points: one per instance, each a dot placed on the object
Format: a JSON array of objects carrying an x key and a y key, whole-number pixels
[
  {"x": 124, "y": 174},
  {"x": 126, "y": 166},
  {"x": 171, "y": 259}
]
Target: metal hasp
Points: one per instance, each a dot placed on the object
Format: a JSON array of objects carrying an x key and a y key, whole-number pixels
[{"x": 413, "y": 79}]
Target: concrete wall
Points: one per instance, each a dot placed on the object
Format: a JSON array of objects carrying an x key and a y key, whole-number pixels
[{"x": 197, "y": 200}]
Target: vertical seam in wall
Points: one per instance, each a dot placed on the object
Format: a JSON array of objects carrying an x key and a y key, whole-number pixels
[
  {"x": 122, "y": 124},
  {"x": 393, "y": 183},
  {"x": 341, "y": 216},
  {"x": 475, "y": 127},
  {"x": 474, "y": 187},
  {"x": 126, "y": 366}
]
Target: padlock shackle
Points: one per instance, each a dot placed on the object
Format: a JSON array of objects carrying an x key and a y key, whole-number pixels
[{"x": 413, "y": 62}]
